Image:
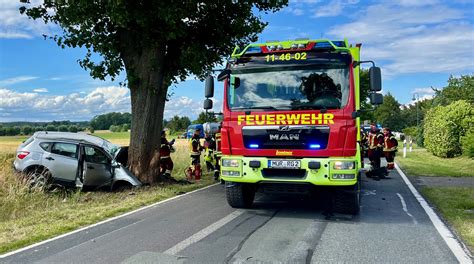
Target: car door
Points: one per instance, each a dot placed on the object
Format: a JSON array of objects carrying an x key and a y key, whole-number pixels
[
  {"x": 97, "y": 167},
  {"x": 62, "y": 162}
]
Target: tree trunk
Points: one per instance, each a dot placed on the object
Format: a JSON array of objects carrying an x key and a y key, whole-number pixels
[{"x": 148, "y": 90}]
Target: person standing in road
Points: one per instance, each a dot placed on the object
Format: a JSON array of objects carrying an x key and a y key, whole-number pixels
[
  {"x": 166, "y": 164},
  {"x": 375, "y": 139},
  {"x": 194, "y": 171},
  {"x": 389, "y": 147}
]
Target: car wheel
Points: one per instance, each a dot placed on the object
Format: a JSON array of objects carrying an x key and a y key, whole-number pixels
[{"x": 39, "y": 178}]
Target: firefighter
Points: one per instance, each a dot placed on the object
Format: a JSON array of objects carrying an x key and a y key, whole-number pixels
[
  {"x": 363, "y": 145},
  {"x": 389, "y": 148},
  {"x": 194, "y": 171},
  {"x": 209, "y": 152},
  {"x": 375, "y": 142},
  {"x": 166, "y": 164}
]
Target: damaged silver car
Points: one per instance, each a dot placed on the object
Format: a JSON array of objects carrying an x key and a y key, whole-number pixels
[{"x": 74, "y": 160}]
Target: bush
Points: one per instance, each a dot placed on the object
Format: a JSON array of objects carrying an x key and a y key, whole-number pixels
[
  {"x": 467, "y": 143},
  {"x": 91, "y": 129},
  {"x": 114, "y": 128},
  {"x": 73, "y": 129},
  {"x": 27, "y": 130},
  {"x": 125, "y": 128},
  {"x": 444, "y": 126},
  {"x": 51, "y": 128},
  {"x": 63, "y": 128}
]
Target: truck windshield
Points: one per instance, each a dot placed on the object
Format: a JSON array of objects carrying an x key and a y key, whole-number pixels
[{"x": 318, "y": 86}]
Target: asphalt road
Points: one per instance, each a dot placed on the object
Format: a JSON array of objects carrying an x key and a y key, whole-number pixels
[{"x": 200, "y": 227}]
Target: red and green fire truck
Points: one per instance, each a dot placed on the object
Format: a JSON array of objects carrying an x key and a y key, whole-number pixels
[{"x": 291, "y": 120}]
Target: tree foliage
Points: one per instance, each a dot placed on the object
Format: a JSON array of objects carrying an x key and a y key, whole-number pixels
[
  {"x": 444, "y": 126},
  {"x": 177, "y": 123},
  {"x": 205, "y": 117},
  {"x": 459, "y": 88},
  {"x": 103, "y": 122},
  {"x": 388, "y": 113}
]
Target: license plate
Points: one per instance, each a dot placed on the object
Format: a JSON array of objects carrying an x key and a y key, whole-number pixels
[{"x": 284, "y": 164}]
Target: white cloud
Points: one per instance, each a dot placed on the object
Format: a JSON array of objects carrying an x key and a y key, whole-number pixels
[
  {"x": 17, "y": 79},
  {"x": 333, "y": 8},
  {"x": 15, "y": 25},
  {"x": 64, "y": 107},
  {"x": 427, "y": 91},
  {"x": 84, "y": 105},
  {"x": 40, "y": 90},
  {"x": 420, "y": 38}
]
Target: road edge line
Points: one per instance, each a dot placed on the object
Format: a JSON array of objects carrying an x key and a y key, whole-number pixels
[
  {"x": 8, "y": 254},
  {"x": 449, "y": 238},
  {"x": 203, "y": 233}
]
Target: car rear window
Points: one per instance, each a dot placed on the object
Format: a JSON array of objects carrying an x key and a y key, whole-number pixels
[
  {"x": 45, "y": 145},
  {"x": 28, "y": 141},
  {"x": 65, "y": 149}
]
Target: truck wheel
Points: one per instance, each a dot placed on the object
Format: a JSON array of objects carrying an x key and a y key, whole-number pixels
[
  {"x": 239, "y": 195},
  {"x": 347, "y": 200}
]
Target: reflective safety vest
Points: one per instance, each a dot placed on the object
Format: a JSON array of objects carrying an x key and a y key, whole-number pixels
[
  {"x": 195, "y": 146},
  {"x": 375, "y": 140},
  {"x": 390, "y": 143}
]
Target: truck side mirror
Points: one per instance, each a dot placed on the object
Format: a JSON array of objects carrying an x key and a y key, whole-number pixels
[
  {"x": 235, "y": 82},
  {"x": 209, "y": 91},
  {"x": 376, "y": 98},
  {"x": 375, "y": 79},
  {"x": 207, "y": 104},
  {"x": 223, "y": 75}
]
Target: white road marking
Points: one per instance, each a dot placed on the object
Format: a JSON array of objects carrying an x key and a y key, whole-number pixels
[
  {"x": 102, "y": 222},
  {"x": 404, "y": 206},
  {"x": 459, "y": 250},
  {"x": 203, "y": 233}
]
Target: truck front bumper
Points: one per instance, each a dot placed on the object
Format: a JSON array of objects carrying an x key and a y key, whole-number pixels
[{"x": 317, "y": 171}]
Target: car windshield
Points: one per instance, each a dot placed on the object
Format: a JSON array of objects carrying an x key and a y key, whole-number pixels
[
  {"x": 110, "y": 148},
  {"x": 323, "y": 85}
]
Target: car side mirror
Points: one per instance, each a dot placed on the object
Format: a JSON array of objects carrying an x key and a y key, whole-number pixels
[
  {"x": 376, "y": 99},
  {"x": 375, "y": 79},
  {"x": 207, "y": 104},
  {"x": 209, "y": 90}
]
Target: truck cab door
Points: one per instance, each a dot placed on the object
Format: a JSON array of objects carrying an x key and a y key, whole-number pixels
[{"x": 96, "y": 167}]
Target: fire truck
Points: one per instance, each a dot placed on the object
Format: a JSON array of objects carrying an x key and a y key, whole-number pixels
[{"x": 291, "y": 120}]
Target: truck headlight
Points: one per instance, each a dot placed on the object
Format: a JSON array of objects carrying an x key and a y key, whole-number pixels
[
  {"x": 343, "y": 176},
  {"x": 344, "y": 165},
  {"x": 230, "y": 163},
  {"x": 231, "y": 173}
]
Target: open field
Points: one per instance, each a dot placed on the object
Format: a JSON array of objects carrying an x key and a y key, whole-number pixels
[
  {"x": 457, "y": 206},
  {"x": 422, "y": 163},
  {"x": 31, "y": 216}
]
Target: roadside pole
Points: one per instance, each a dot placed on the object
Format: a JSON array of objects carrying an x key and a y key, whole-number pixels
[
  {"x": 404, "y": 148},
  {"x": 411, "y": 144}
]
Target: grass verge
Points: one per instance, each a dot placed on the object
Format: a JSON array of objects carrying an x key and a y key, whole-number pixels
[
  {"x": 456, "y": 204},
  {"x": 422, "y": 163}
]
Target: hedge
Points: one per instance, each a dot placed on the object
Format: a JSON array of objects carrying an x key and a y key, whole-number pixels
[{"x": 444, "y": 126}]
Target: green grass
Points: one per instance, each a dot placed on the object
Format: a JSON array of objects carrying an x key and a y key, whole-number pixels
[
  {"x": 457, "y": 206},
  {"x": 31, "y": 216},
  {"x": 422, "y": 163}
]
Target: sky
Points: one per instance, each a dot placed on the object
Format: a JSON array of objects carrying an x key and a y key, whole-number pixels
[{"x": 417, "y": 43}]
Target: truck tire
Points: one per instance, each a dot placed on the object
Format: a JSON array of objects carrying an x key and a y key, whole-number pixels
[
  {"x": 347, "y": 199},
  {"x": 239, "y": 195}
]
